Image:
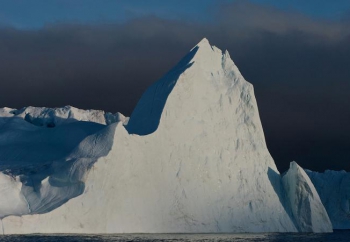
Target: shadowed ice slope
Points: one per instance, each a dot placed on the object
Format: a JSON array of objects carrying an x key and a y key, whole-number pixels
[
  {"x": 192, "y": 158},
  {"x": 42, "y": 168}
]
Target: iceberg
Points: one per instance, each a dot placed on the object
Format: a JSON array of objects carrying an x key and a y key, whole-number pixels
[{"x": 192, "y": 158}]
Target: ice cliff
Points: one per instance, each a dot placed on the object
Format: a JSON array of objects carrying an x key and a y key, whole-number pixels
[
  {"x": 192, "y": 158},
  {"x": 334, "y": 190}
]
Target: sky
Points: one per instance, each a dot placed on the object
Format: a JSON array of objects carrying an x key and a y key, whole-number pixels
[
  {"x": 103, "y": 54},
  {"x": 26, "y": 14}
]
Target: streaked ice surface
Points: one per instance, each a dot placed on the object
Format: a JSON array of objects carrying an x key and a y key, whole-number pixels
[{"x": 340, "y": 236}]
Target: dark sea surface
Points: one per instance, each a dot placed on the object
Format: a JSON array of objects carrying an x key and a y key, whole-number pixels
[{"x": 340, "y": 235}]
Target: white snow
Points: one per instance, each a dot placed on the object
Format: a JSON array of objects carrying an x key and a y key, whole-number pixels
[
  {"x": 192, "y": 158},
  {"x": 308, "y": 210},
  {"x": 51, "y": 117},
  {"x": 334, "y": 190}
]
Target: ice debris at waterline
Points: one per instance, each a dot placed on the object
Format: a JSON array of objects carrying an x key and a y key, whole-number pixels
[{"x": 191, "y": 158}]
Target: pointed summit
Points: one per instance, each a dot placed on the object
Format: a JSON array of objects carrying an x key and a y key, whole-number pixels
[
  {"x": 203, "y": 70},
  {"x": 204, "y": 40},
  {"x": 204, "y": 43},
  {"x": 209, "y": 58}
]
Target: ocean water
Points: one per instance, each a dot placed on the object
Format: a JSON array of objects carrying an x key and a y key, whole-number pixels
[{"x": 340, "y": 236}]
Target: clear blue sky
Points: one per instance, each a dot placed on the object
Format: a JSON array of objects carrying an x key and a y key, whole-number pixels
[{"x": 37, "y": 13}]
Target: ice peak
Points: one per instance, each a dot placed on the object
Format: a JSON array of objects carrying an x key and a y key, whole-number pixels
[
  {"x": 204, "y": 43},
  {"x": 209, "y": 58},
  {"x": 203, "y": 66}
]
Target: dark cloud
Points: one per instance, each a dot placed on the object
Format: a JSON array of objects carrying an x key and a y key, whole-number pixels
[{"x": 299, "y": 67}]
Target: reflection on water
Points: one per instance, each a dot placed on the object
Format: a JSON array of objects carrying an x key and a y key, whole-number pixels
[{"x": 340, "y": 236}]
